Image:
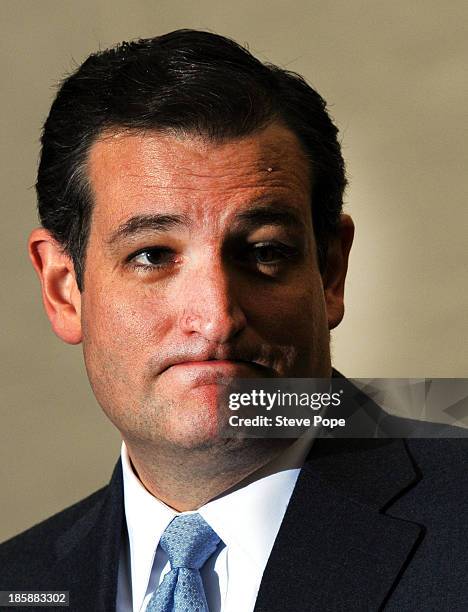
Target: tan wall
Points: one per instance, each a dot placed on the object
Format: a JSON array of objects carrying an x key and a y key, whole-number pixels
[{"x": 393, "y": 74}]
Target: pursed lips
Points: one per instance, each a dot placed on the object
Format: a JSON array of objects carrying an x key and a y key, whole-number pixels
[
  {"x": 213, "y": 372},
  {"x": 226, "y": 365}
]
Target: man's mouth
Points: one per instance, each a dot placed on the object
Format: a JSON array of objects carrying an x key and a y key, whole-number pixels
[
  {"x": 196, "y": 371},
  {"x": 228, "y": 366},
  {"x": 217, "y": 361}
]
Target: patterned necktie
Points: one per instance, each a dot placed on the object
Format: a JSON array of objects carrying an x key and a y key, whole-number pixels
[{"x": 188, "y": 541}]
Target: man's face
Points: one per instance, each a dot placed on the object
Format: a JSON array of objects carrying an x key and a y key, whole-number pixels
[{"x": 201, "y": 266}]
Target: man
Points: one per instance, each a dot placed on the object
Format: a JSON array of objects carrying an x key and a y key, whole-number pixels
[{"x": 192, "y": 234}]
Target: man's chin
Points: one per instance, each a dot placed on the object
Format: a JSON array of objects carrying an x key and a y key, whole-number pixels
[{"x": 196, "y": 421}]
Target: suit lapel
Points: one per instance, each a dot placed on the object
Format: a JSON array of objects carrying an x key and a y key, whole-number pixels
[
  {"x": 88, "y": 553},
  {"x": 337, "y": 549}
]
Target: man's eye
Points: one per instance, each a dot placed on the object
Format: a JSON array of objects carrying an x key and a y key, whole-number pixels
[
  {"x": 152, "y": 258},
  {"x": 272, "y": 254}
]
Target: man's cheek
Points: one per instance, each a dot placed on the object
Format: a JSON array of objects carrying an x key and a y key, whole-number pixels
[
  {"x": 112, "y": 335},
  {"x": 129, "y": 318},
  {"x": 292, "y": 316}
]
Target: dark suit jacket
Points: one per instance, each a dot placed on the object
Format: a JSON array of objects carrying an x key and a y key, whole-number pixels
[{"x": 372, "y": 524}]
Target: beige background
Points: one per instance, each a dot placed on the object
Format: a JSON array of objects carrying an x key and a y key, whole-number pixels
[{"x": 393, "y": 73}]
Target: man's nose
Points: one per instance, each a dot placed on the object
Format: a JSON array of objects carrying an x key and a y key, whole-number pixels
[{"x": 211, "y": 305}]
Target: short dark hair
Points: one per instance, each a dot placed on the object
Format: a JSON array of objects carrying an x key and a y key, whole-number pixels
[{"x": 185, "y": 81}]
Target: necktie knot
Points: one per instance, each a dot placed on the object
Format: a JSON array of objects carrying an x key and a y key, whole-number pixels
[{"x": 189, "y": 541}]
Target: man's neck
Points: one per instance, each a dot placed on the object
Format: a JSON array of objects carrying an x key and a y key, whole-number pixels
[{"x": 186, "y": 479}]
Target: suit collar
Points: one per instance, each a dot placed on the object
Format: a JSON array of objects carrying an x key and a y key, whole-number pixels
[{"x": 337, "y": 549}]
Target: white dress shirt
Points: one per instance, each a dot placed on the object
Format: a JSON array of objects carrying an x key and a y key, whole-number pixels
[{"x": 247, "y": 520}]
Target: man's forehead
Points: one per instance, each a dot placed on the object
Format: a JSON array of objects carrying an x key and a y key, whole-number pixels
[
  {"x": 161, "y": 154},
  {"x": 130, "y": 166}
]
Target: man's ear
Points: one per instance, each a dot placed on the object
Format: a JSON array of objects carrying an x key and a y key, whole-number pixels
[
  {"x": 335, "y": 271},
  {"x": 60, "y": 293}
]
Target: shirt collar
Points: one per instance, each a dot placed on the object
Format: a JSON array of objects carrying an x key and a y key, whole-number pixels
[
  {"x": 245, "y": 518},
  {"x": 249, "y": 516}
]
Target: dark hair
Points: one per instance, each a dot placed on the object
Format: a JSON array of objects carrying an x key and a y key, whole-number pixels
[{"x": 187, "y": 81}]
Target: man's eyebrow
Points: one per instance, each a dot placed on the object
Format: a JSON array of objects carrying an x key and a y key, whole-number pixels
[
  {"x": 273, "y": 214},
  {"x": 140, "y": 224}
]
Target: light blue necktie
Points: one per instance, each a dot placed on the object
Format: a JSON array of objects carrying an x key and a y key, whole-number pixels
[{"x": 188, "y": 541}]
